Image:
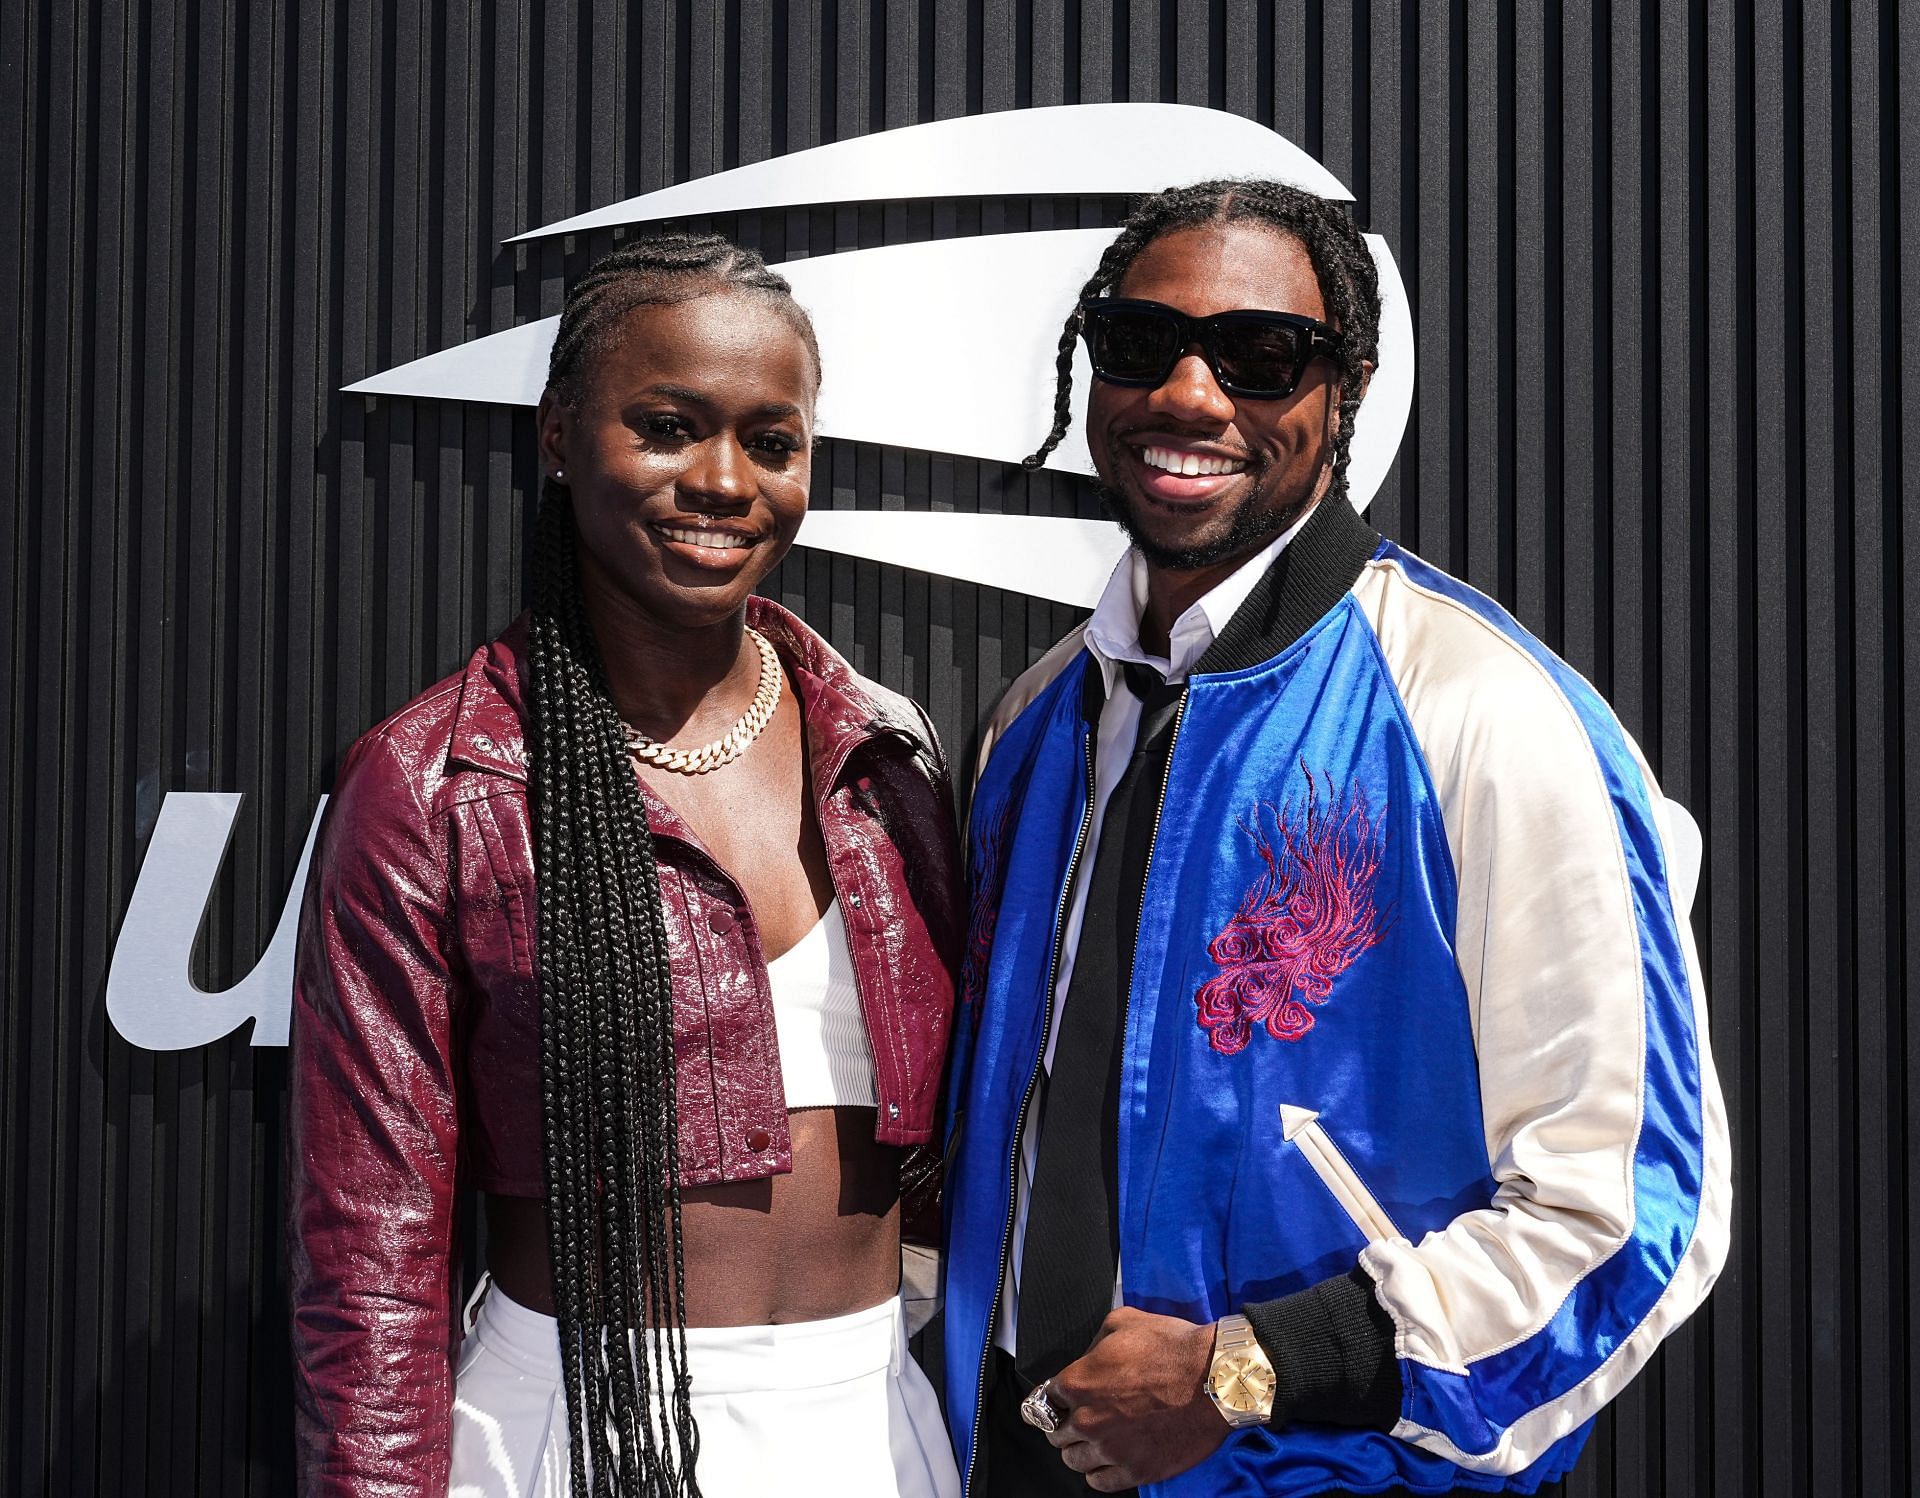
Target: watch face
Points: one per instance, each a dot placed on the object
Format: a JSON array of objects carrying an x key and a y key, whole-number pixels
[{"x": 1243, "y": 1382}]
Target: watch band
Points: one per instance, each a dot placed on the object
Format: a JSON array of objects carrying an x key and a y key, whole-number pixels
[{"x": 1231, "y": 1333}]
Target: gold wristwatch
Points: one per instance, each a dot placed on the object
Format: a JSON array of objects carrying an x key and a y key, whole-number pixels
[{"x": 1241, "y": 1381}]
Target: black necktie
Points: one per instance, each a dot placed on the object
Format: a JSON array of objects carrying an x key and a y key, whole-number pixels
[{"x": 1071, "y": 1249}]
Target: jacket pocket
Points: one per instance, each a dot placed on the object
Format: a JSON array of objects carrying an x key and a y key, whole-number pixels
[{"x": 1304, "y": 1132}]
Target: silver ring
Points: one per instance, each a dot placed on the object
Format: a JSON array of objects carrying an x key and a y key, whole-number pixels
[{"x": 1039, "y": 1410}]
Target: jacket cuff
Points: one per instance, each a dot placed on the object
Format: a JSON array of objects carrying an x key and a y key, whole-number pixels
[{"x": 1332, "y": 1347}]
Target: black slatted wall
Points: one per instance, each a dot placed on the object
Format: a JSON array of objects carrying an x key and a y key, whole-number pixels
[{"x": 1666, "y": 343}]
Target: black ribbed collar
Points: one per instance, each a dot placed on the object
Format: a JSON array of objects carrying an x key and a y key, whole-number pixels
[{"x": 1312, "y": 573}]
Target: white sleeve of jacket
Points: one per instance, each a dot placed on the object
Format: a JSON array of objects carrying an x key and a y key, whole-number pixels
[{"x": 1604, "y": 1124}]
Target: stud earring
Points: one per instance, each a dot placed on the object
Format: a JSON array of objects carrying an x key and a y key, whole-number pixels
[{"x": 559, "y": 474}]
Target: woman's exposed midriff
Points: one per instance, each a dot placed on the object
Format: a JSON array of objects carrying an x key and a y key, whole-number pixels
[{"x": 821, "y": 1241}]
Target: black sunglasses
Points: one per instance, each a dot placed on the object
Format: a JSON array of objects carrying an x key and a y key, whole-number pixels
[{"x": 1256, "y": 355}]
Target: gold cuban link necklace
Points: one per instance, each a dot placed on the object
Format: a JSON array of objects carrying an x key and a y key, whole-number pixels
[{"x": 730, "y": 745}]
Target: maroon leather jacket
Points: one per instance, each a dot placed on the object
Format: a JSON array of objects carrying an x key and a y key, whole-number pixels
[{"x": 416, "y": 1023}]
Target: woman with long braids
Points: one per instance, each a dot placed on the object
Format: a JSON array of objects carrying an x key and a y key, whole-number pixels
[{"x": 644, "y": 925}]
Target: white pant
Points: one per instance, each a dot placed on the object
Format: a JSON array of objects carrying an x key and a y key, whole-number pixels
[{"x": 833, "y": 1407}]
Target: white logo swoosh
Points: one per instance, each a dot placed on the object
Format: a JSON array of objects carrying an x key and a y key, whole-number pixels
[{"x": 1092, "y": 150}]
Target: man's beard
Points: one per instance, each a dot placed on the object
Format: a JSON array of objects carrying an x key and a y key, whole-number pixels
[{"x": 1251, "y": 528}]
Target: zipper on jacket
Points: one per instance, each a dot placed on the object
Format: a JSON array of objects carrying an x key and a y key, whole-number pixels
[
  {"x": 1026, "y": 1099},
  {"x": 1153, "y": 842}
]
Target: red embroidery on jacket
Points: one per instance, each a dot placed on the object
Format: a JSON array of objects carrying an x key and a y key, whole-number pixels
[
  {"x": 1306, "y": 918},
  {"x": 987, "y": 873}
]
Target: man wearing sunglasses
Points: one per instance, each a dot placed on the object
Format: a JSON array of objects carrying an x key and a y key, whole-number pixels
[{"x": 1331, "y": 1108}]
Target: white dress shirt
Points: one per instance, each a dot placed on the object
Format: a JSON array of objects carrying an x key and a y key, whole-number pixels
[{"x": 1113, "y": 639}]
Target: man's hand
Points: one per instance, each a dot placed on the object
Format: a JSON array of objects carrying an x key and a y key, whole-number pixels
[{"x": 1137, "y": 1408}]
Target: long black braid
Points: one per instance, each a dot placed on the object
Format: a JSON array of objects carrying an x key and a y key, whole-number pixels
[
  {"x": 1349, "y": 283},
  {"x": 606, "y": 995}
]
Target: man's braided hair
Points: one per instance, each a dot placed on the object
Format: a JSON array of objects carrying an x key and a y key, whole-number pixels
[
  {"x": 606, "y": 995},
  {"x": 1349, "y": 282}
]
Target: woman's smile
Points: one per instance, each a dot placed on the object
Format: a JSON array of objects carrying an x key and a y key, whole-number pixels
[{"x": 715, "y": 548}]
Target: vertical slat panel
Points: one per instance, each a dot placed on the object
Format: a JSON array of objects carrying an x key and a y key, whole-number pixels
[
  {"x": 1779, "y": 1139},
  {"x": 1530, "y": 448},
  {"x": 17, "y": 213},
  {"x": 1582, "y": 74},
  {"x": 1825, "y": 524},
  {"x": 1729, "y": 890},
  {"x": 1388, "y": 204},
  {"x": 1666, "y": 321},
  {"x": 1484, "y": 370},
  {"x": 101, "y": 1244},
  {"x": 59, "y": 610},
  {"x": 1440, "y": 397},
  {"x": 1902, "y": 168},
  {"x": 1871, "y": 375},
  {"x": 110, "y": 836},
  {"x": 1625, "y": 608},
  {"x": 1675, "y": 529}
]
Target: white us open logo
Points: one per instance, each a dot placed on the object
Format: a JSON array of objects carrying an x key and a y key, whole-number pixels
[{"x": 982, "y": 388}]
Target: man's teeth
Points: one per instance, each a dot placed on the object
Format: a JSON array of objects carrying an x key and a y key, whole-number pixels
[
  {"x": 711, "y": 540},
  {"x": 1189, "y": 464}
]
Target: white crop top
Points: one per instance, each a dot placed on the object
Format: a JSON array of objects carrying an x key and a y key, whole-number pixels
[{"x": 825, "y": 1061}]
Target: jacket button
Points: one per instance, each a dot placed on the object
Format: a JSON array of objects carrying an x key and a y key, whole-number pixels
[
  {"x": 720, "y": 921},
  {"x": 483, "y": 743},
  {"x": 893, "y": 1110},
  {"x": 854, "y": 901},
  {"x": 758, "y": 1139}
]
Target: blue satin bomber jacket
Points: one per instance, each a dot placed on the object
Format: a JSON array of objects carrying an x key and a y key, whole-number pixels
[{"x": 1414, "y": 987}]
